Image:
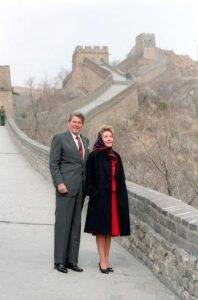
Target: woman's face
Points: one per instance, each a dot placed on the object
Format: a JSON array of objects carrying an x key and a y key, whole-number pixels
[{"x": 107, "y": 137}]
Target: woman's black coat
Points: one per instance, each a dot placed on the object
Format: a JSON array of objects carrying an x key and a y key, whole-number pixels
[{"x": 98, "y": 184}]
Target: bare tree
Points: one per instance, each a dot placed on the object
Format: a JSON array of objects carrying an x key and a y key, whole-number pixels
[
  {"x": 161, "y": 154},
  {"x": 33, "y": 106},
  {"x": 58, "y": 80}
]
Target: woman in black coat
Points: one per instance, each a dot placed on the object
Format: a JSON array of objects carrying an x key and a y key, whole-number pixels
[{"x": 108, "y": 211}]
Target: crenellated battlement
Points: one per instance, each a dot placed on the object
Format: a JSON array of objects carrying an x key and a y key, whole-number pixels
[
  {"x": 91, "y": 49},
  {"x": 97, "y": 54}
]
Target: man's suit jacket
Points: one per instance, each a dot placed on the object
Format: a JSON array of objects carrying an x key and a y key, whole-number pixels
[{"x": 66, "y": 165}]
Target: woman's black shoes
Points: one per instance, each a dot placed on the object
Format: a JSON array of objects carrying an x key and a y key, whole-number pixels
[
  {"x": 105, "y": 271},
  {"x": 110, "y": 269}
]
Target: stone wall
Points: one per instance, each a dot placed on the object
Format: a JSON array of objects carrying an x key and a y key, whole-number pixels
[
  {"x": 150, "y": 53},
  {"x": 97, "y": 69},
  {"x": 114, "y": 69},
  {"x": 67, "y": 79},
  {"x": 6, "y": 101},
  {"x": 35, "y": 153},
  {"x": 112, "y": 111},
  {"x": 165, "y": 236},
  {"x": 95, "y": 53},
  {"x": 87, "y": 76},
  {"x": 5, "y": 82},
  {"x": 151, "y": 71},
  {"x": 144, "y": 40},
  {"x": 145, "y": 48},
  {"x": 99, "y": 90},
  {"x": 6, "y": 89}
]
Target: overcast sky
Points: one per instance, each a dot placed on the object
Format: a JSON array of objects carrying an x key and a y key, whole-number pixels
[{"x": 38, "y": 37}]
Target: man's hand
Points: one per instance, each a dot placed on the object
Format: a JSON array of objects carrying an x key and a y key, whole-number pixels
[{"x": 62, "y": 188}]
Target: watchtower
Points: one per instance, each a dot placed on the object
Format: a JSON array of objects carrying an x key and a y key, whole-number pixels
[
  {"x": 5, "y": 89},
  {"x": 145, "y": 40},
  {"x": 96, "y": 53}
]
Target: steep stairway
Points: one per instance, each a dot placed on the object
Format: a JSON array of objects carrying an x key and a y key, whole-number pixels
[{"x": 119, "y": 84}]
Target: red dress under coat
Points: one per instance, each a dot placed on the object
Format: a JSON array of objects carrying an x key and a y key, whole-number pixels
[{"x": 115, "y": 231}]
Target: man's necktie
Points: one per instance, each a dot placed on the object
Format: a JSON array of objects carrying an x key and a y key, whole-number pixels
[{"x": 80, "y": 147}]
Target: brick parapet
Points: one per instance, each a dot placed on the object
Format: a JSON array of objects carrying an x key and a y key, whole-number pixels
[
  {"x": 36, "y": 153},
  {"x": 95, "y": 53},
  {"x": 151, "y": 71},
  {"x": 90, "y": 113},
  {"x": 96, "y": 68},
  {"x": 100, "y": 90},
  {"x": 91, "y": 49},
  {"x": 165, "y": 236}
]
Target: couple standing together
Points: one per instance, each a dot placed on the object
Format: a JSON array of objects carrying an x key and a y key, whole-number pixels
[{"x": 75, "y": 174}]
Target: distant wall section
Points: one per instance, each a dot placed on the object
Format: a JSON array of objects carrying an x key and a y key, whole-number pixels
[
  {"x": 6, "y": 89},
  {"x": 86, "y": 74}
]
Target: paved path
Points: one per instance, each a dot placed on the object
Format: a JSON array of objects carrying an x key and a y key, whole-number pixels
[
  {"x": 113, "y": 90},
  {"x": 26, "y": 246},
  {"x": 115, "y": 75}
]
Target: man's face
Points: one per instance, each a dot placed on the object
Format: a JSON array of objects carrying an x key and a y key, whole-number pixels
[{"x": 75, "y": 125}]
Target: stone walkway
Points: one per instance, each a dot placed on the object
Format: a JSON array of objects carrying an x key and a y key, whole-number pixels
[
  {"x": 113, "y": 90},
  {"x": 26, "y": 246},
  {"x": 115, "y": 75}
]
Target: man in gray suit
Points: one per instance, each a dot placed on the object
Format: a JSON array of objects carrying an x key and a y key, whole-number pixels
[{"x": 68, "y": 156}]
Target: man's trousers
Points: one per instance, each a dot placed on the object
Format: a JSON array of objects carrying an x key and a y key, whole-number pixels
[{"x": 67, "y": 227}]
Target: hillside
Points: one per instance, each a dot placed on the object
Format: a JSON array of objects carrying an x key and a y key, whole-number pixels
[{"x": 162, "y": 139}]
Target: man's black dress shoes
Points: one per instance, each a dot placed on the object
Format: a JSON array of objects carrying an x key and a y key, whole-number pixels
[
  {"x": 73, "y": 267},
  {"x": 60, "y": 267}
]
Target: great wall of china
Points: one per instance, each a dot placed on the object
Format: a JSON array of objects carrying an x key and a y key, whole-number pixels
[{"x": 164, "y": 229}]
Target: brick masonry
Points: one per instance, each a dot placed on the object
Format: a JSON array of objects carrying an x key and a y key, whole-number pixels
[
  {"x": 165, "y": 236},
  {"x": 36, "y": 153},
  {"x": 6, "y": 101},
  {"x": 6, "y": 89},
  {"x": 86, "y": 73},
  {"x": 111, "y": 111},
  {"x": 5, "y": 82}
]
